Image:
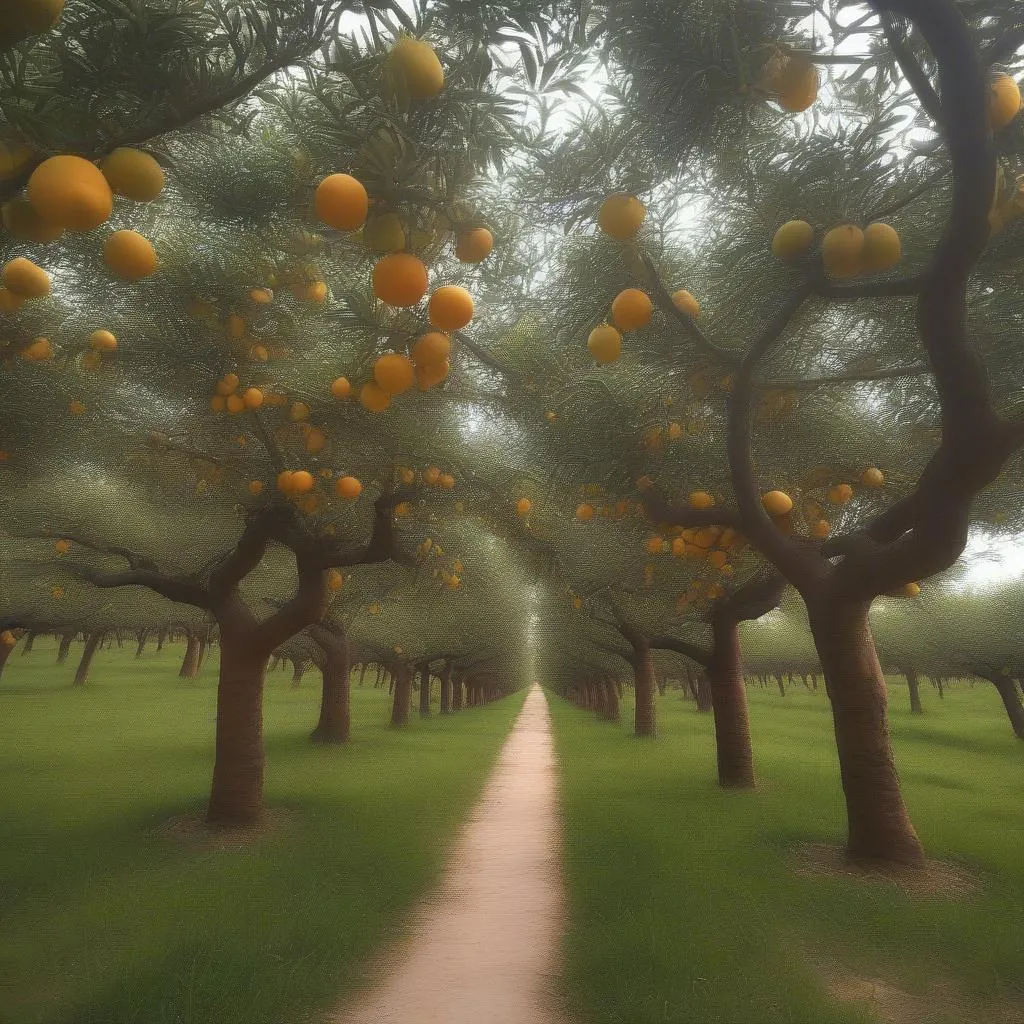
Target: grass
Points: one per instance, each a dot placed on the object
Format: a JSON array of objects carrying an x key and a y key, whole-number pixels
[
  {"x": 684, "y": 905},
  {"x": 106, "y": 920}
]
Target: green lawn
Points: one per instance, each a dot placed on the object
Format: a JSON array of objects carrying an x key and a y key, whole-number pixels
[
  {"x": 106, "y": 920},
  {"x": 683, "y": 902}
]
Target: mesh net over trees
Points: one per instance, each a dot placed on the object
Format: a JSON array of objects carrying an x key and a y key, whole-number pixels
[{"x": 385, "y": 418}]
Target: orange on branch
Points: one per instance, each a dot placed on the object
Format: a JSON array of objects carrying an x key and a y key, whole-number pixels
[
  {"x": 631, "y": 309},
  {"x": 302, "y": 482},
  {"x": 315, "y": 292},
  {"x": 255, "y": 487},
  {"x": 446, "y": 481},
  {"x": 821, "y": 528},
  {"x": 394, "y": 373},
  {"x": 348, "y": 487},
  {"x": 129, "y": 255},
  {"x": 412, "y": 65},
  {"x": 341, "y": 388},
  {"x": 1003, "y": 101},
  {"x": 218, "y": 403},
  {"x": 686, "y": 303},
  {"x": 873, "y": 478},
  {"x": 102, "y": 341},
  {"x": 605, "y": 344},
  {"x": 701, "y": 500},
  {"x": 253, "y": 398},
  {"x": 431, "y": 476},
  {"x": 399, "y": 279},
  {"x": 474, "y": 246},
  {"x": 621, "y": 215},
  {"x": 234, "y": 404},
  {"x": 585, "y": 512},
  {"x": 431, "y": 374},
  {"x": 524, "y": 506},
  {"x": 71, "y": 192},
  {"x": 842, "y": 251},
  {"x": 450, "y": 308},
  {"x": 341, "y": 202},
  {"x": 433, "y": 347},
  {"x": 38, "y": 351},
  {"x": 840, "y": 494},
  {"x": 797, "y": 84},
  {"x": 882, "y": 248},
  {"x": 777, "y": 503},
  {"x": 373, "y": 397},
  {"x": 335, "y": 580},
  {"x": 133, "y": 174},
  {"x": 792, "y": 240},
  {"x": 228, "y": 384},
  {"x": 25, "y": 279}
]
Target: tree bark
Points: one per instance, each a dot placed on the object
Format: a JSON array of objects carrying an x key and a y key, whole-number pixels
[
  {"x": 609, "y": 701},
  {"x": 424, "y": 690},
  {"x": 65, "y": 647},
  {"x": 236, "y": 797},
  {"x": 704, "y": 697},
  {"x": 335, "y": 724},
  {"x": 400, "y": 703},
  {"x": 456, "y": 691},
  {"x": 160, "y": 638},
  {"x": 5, "y": 653},
  {"x": 1007, "y": 690},
  {"x": 729, "y": 703},
  {"x": 92, "y": 643},
  {"x": 913, "y": 686},
  {"x": 446, "y": 688},
  {"x": 298, "y": 671},
  {"x": 781, "y": 683},
  {"x": 879, "y": 825},
  {"x": 362, "y": 672},
  {"x": 30, "y": 639},
  {"x": 645, "y": 716},
  {"x": 190, "y": 663},
  {"x": 143, "y": 637}
]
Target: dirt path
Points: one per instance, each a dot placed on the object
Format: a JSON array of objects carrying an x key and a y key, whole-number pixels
[{"x": 483, "y": 950}]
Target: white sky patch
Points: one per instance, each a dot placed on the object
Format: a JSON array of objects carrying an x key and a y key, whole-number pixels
[{"x": 989, "y": 560}]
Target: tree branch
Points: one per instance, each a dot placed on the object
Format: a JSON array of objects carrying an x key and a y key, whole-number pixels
[
  {"x": 912, "y": 70},
  {"x": 695, "y": 652},
  {"x": 171, "y": 587}
]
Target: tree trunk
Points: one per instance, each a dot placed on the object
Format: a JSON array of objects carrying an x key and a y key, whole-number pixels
[
  {"x": 335, "y": 724},
  {"x": 610, "y": 701},
  {"x": 5, "y": 653},
  {"x": 298, "y": 671},
  {"x": 160, "y": 638},
  {"x": 781, "y": 683},
  {"x": 92, "y": 643},
  {"x": 362, "y": 672},
  {"x": 729, "y": 703},
  {"x": 143, "y": 637},
  {"x": 662, "y": 683},
  {"x": 30, "y": 639},
  {"x": 425, "y": 691},
  {"x": 400, "y": 703},
  {"x": 65, "y": 647},
  {"x": 236, "y": 797},
  {"x": 937, "y": 680},
  {"x": 645, "y": 717},
  {"x": 880, "y": 828},
  {"x": 915, "y": 691},
  {"x": 203, "y": 649},
  {"x": 446, "y": 689},
  {"x": 456, "y": 691},
  {"x": 1007, "y": 690},
  {"x": 190, "y": 663},
  {"x": 705, "y": 698}
]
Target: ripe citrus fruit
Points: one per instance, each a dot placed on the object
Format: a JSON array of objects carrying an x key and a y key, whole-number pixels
[
  {"x": 821, "y": 528},
  {"x": 252, "y": 398},
  {"x": 840, "y": 494},
  {"x": 686, "y": 303},
  {"x": 431, "y": 374},
  {"x": 882, "y": 248},
  {"x": 474, "y": 246},
  {"x": 631, "y": 309},
  {"x": 1003, "y": 101},
  {"x": 450, "y": 308},
  {"x": 71, "y": 192},
  {"x": 373, "y": 397},
  {"x": 341, "y": 202},
  {"x": 777, "y": 503},
  {"x": 797, "y": 84},
  {"x": 400, "y": 279},
  {"x": 585, "y": 512},
  {"x": 412, "y": 66},
  {"x": 605, "y": 343},
  {"x": 255, "y": 487},
  {"x": 348, "y": 487},
  {"x": 842, "y": 251},
  {"x": 433, "y": 347},
  {"x": 133, "y": 174},
  {"x": 872, "y": 477},
  {"x": 129, "y": 255},
  {"x": 394, "y": 373},
  {"x": 792, "y": 240},
  {"x": 24, "y": 278},
  {"x": 38, "y": 351},
  {"x": 701, "y": 500},
  {"x": 621, "y": 215},
  {"x": 102, "y": 341},
  {"x": 341, "y": 388},
  {"x": 524, "y": 506}
]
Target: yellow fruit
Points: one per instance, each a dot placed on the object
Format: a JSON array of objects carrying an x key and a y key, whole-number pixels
[
  {"x": 450, "y": 308},
  {"x": 298, "y": 412},
  {"x": 394, "y": 373},
  {"x": 133, "y": 174},
  {"x": 38, "y": 351},
  {"x": 24, "y": 278},
  {"x": 348, "y": 487},
  {"x": 454, "y": 582},
  {"x": 657, "y": 546},
  {"x": 585, "y": 512},
  {"x": 341, "y": 388},
  {"x": 403, "y": 510},
  {"x": 605, "y": 344},
  {"x": 284, "y": 481},
  {"x": 335, "y": 580},
  {"x": 433, "y": 347},
  {"x": 872, "y": 477},
  {"x": 621, "y": 215},
  {"x": 400, "y": 279},
  {"x": 384, "y": 233},
  {"x": 62, "y": 547},
  {"x": 10, "y": 302},
  {"x": 76, "y": 407},
  {"x": 675, "y": 431},
  {"x": 686, "y": 303},
  {"x": 523, "y": 507},
  {"x": 315, "y": 292},
  {"x": 797, "y": 84},
  {"x": 842, "y": 251},
  {"x": 374, "y": 397},
  {"x": 701, "y": 500},
  {"x": 234, "y": 404},
  {"x": 23, "y": 221},
  {"x": 259, "y": 353},
  {"x": 341, "y": 202},
  {"x": 631, "y": 309},
  {"x": 228, "y": 384},
  {"x": 7, "y": 638},
  {"x": 777, "y": 503},
  {"x": 406, "y": 476},
  {"x": 446, "y": 481},
  {"x": 252, "y": 398},
  {"x": 821, "y": 528},
  {"x": 129, "y": 255},
  {"x": 218, "y": 403},
  {"x": 302, "y": 481},
  {"x": 255, "y": 487},
  {"x": 882, "y": 248},
  {"x": 431, "y": 475},
  {"x": 474, "y": 246},
  {"x": 1003, "y": 101},
  {"x": 431, "y": 375},
  {"x": 22, "y": 18},
  {"x": 413, "y": 67},
  {"x": 840, "y": 494},
  {"x": 103, "y": 341},
  {"x": 71, "y": 192},
  {"x": 792, "y": 240},
  {"x": 910, "y": 590},
  {"x": 261, "y": 296},
  {"x": 718, "y": 559}
]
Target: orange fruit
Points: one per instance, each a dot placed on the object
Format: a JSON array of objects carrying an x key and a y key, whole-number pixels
[
  {"x": 234, "y": 404},
  {"x": 394, "y": 373},
  {"x": 797, "y": 84},
  {"x": 1003, "y": 101},
  {"x": 76, "y": 407},
  {"x": 348, "y": 487},
  {"x": 341, "y": 202},
  {"x": 133, "y": 174},
  {"x": 450, "y": 308},
  {"x": 446, "y": 480},
  {"x": 474, "y": 246},
  {"x": 872, "y": 477},
  {"x": 10, "y": 302},
  {"x": 701, "y": 499},
  {"x": 431, "y": 374},
  {"x": 524, "y": 506},
  {"x": 631, "y": 309},
  {"x": 840, "y": 494},
  {"x": 259, "y": 353},
  {"x": 261, "y": 296},
  {"x": 316, "y": 440},
  {"x": 71, "y": 192},
  {"x": 621, "y": 216},
  {"x": 374, "y": 397},
  {"x": 62, "y": 547},
  {"x": 686, "y": 303},
  {"x": 399, "y": 279},
  {"x": 315, "y": 292},
  {"x": 24, "y": 278},
  {"x": 657, "y": 546},
  {"x": 413, "y": 67},
  {"x": 842, "y": 250},
  {"x": 407, "y": 476},
  {"x": 298, "y": 412},
  {"x": 38, "y": 351},
  {"x": 605, "y": 343},
  {"x": 431, "y": 475},
  {"x": 882, "y": 248},
  {"x": 433, "y": 347},
  {"x": 228, "y": 384},
  {"x": 285, "y": 481},
  {"x": 341, "y": 388},
  {"x": 302, "y": 481},
  {"x": 252, "y": 398},
  {"x": 910, "y": 590},
  {"x": 792, "y": 240},
  {"x": 255, "y": 487},
  {"x": 218, "y": 403},
  {"x": 584, "y": 512},
  {"x": 102, "y": 341},
  {"x": 129, "y": 255},
  {"x": 777, "y": 503},
  {"x": 403, "y": 510},
  {"x": 335, "y": 580}
]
